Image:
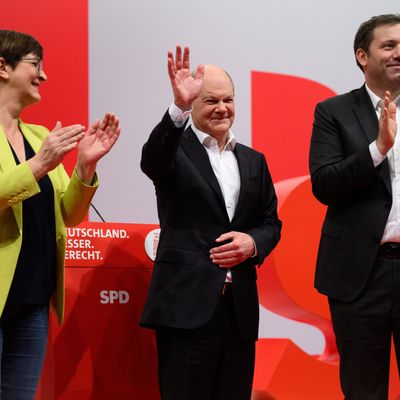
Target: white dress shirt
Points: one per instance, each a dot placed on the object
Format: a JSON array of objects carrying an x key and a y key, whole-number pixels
[
  {"x": 392, "y": 229},
  {"x": 225, "y": 167}
]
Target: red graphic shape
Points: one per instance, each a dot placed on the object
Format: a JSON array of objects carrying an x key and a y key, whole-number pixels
[
  {"x": 285, "y": 372},
  {"x": 282, "y": 117},
  {"x": 287, "y": 284},
  {"x": 61, "y": 27}
]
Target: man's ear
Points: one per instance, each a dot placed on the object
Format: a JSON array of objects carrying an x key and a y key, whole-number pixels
[
  {"x": 3, "y": 69},
  {"x": 362, "y": 57}
]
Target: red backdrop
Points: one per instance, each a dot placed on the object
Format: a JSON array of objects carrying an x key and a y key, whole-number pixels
[{"x": 62, "y": 29}]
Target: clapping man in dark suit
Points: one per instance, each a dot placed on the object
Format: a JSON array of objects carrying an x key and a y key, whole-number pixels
[
  {"x": 217, "y": 210},
  {"x": 355, "y": 170}
]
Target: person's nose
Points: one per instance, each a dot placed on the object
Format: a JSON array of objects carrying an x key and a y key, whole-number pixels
[
  {"x": 42, "y": 75},
  {"x": 396, "y": 52},
  {"x": 221, "y": 106}
]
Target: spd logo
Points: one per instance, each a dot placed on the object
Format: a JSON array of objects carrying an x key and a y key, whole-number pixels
[{"x": 114, "y": 296}]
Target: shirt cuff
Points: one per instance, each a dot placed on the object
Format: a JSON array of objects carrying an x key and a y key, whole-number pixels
[
  {"x": 376, "y": 155},
  {"x": 178, "y": 116}
]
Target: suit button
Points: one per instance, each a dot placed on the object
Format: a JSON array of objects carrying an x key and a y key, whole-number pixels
[
  {"x": 9, "y": 202},
  {"x": 21, "y": 196}
]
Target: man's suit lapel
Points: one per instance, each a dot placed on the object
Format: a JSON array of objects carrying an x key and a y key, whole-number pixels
[
  {"x": 243, "y": 164},
  {"x": 197, "y": 153},
  {"x": 368, "y": 121},
  {"x": 365, "y": 114}
]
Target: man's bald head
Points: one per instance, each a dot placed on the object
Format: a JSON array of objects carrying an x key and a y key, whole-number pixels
[{"x": 214, "y": 110}]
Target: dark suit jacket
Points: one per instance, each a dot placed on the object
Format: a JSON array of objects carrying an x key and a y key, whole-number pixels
[
  {"x": 186, "y": 285},
  {"x": 358, "y": 195}
]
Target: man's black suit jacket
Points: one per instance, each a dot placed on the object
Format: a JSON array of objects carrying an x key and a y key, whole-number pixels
[
  {"x": 186, "y": 285},
  {"x": 358, "y": 195}
]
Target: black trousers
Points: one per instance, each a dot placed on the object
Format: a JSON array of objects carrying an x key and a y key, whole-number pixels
[
  {"x": 211, "y": 363},
  {"x": 364, "y": 329}
]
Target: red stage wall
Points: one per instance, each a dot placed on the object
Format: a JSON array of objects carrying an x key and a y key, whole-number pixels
[{"x": 61, "y": 27}]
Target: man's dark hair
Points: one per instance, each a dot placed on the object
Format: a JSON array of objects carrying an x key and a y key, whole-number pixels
[
  {"x": 365, "y": 33},
  {"x": 15, "y": 45}
]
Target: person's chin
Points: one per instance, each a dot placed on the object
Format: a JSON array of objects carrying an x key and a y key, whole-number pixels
[
  {"x": 223, "y": 124},
  {"x": 32, "y": 99},
  {"x": 397, "y": 73},
  {"x": 36, "y": 98}
]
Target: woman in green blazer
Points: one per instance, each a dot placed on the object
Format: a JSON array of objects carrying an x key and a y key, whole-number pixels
[{"x": 37, "y": 201}]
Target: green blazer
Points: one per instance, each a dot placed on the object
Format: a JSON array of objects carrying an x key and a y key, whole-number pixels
[{"x": 71, "y": 202}]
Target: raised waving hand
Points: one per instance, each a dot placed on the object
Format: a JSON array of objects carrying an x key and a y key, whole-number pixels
[
  {"x": 185, "y": 86},
  {"x": 97, "y": 142}
]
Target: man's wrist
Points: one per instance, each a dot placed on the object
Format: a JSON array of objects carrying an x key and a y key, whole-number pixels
[
  {"x": 255, "y": 253},
  {"x": 183, "y": 107},
  {"x": 178, "y": 116},
  {"x": 376, "y": 155}
]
